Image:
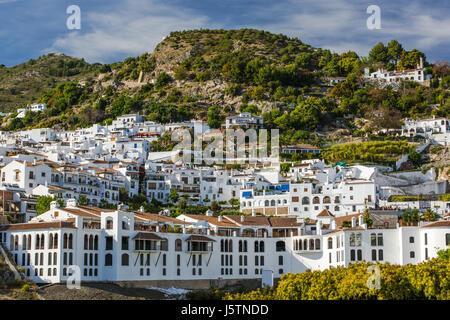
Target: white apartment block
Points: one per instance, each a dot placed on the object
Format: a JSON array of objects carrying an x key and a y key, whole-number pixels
[
  {"x": 436, "y": 129},
  {"x": 136, "y": 248},
  {"x": 417, "y": 74}
]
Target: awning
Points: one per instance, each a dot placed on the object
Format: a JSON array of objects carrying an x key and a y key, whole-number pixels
[
  {"x": 200, "y": 238},
  {"x": 147, "y": 236}
]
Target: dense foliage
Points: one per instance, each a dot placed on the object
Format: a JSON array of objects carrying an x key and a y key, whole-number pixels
[
  {"x": 375, "y": 151},
  {"x": 428, "y": 280}
]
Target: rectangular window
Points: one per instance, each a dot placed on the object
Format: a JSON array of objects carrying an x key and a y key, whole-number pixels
[
  {"x": 109, "y": 243},
  {"x": 125, "y": 243},
  {"x": 374, "y": 255},
  {"x": 380, "y": 254},
  {"x": 380, "y": 239},
  {"x": 373, "y": 239},
  {"x": 359, "y": 252}
]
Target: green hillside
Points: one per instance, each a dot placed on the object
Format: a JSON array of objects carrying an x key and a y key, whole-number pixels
[{"x": 190, "y": 72}]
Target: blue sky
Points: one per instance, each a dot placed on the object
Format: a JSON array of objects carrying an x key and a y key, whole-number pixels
[{"x": 112, "y": 30}]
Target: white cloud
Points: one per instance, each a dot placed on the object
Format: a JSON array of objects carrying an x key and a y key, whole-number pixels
[
  {"x": 340, "y": 25},
  {"x": 134, "y": 27}
]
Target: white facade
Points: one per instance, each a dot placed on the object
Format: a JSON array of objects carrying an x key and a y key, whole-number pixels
[{"x": 113, "y": 246}]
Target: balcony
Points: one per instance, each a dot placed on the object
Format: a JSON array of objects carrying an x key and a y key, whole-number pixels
[
  {"x": 199, "y": 244},
  {"x": 149, "y": 242},
  {"x": 307, "y": 245}
]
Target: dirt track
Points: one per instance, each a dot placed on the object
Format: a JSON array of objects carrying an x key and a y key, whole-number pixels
[{"x": 100, "y": 291}]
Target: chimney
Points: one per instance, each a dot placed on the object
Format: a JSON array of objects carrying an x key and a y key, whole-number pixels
[
  {"x": 353, "y": 222},
  {"x": 219, "y": 218},
  {"x": 333, "y": 225},
  {"x": 157, "y": 228},
  {"x": 72, "y": 202},
  {"x": 209, "y": 213},
  {"x": 253, "y": 212},
  {"x": 142, "y": 209},
  {"x": 242, "y": 218},
  {"x": 54, "y": 205}
]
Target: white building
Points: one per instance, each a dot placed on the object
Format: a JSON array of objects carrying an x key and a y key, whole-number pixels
[
  {"x": 436, "y": 129},
  {"x": 385, "y": 76},
  {"x": 141, "y": 249},
  {"x": 244, "y": 120}
]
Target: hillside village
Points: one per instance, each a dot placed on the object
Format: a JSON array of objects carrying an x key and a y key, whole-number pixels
[{"x": 90, "y": 176}]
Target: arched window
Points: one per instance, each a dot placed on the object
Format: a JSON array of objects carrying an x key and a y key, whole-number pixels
[
  {"x": 11, "y": 243},
  {"x": 280, "y": 246},
  {"x": 222, "y": 246},
  {"x": 358, "y": 239},
  {"x": 317, "y": 244},
  {"x": 24, "y": 242},
  {"x": 55, "y": 241},
  {"x": 125, "y": 259},
  {"x": 42, "y": 241},
  {"x": 29, "y": 242},
  {"x": 109, "y": 224},
  {"x": 326, "y": 199},
  {"x": 245, "y": 245},
  {"x": 70, "y": 241},
  {"x": 311, "y": 244},
  {"x": 266, "y": 203},
  {"x": 316, "y": 200},
  {"x": 86, "y": 242},
  {"x": 96, "y": 242},
  {"x": 178, "y": 245},
  {"x": 330, "y": 243},
  {"x": 226, "y": 245},
  {"x": 256, "y": 246},
  {"x": 50, "y": 241},
  {"x": 305, "y": 200},
  {"x": 65, "y": 241},
  {"x": 352, "y": 239},
  {"x": 337, "y": 200},
  {"x": 38, "y": 242},
  {"x": 108, "y": 259},
  {"x": 447, "y": 239},
  {"x": 91, "y": 242},
  {"x": 305, "y": 244},
  {"x": 230, "y": 245},
  {"x": 272, "y": 203},
  {"x": 300, "y": 246},
  {"x": 336, "y": 208},
  {"x": 261, "y": 246},
  {"x": 125, "y": 225}
]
